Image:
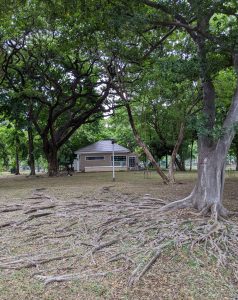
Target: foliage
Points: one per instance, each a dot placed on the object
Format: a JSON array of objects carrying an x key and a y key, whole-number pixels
[{"x": 59, "y": 62}]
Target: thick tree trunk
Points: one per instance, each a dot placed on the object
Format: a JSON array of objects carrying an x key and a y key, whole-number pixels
[
  {"x": 211, "y": 169},
  {"x": 207, "y": 194},
  {"x": 174, "y": 153},
  {"x": 31, "y": 159},
  {"x": 53, "y": 166},
  {"x": 51, "y": 153},
  {"x": 144, "y": 147},
  {"x": 208, "y": 191}
]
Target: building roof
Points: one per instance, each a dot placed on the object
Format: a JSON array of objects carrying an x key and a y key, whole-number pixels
[{"x": 103, "y": 146}]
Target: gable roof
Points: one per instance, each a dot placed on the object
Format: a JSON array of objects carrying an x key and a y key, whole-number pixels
[{"x": 103, "y": 146}]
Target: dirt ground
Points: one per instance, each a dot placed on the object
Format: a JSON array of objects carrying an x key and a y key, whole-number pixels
[{"x": 86, "y": 237}]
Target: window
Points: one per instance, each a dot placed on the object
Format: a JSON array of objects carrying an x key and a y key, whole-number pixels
[
  {"x": 94, "y": 158},
  {"x": 119, "y": 160}
]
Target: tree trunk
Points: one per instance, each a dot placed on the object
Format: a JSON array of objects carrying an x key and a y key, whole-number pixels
[
  {"x": 207, "y": 194},
  {"x": 166, "y": 161},
  {"x": 38, "y": 166},
  {"x": 17, "y": 146},
  {"x": 53, "y": 166},
  {"x": 191, "y": 157},
  {"x": 180, "y": 164},
  {"x": 144, "y": 147},
  {"x": 174, "y": 153},
  {"x": 51, "y": 153},
  {"x": 31, "y": 159},
  {"x": 208, "y": 191},
  {"x": 17, "y": 172}
]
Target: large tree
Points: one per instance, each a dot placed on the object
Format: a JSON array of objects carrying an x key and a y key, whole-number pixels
[
  {"x": 205, "y": 34},
  {"x": 212, "y": 26},
  {"x": 57, "y": 75}
]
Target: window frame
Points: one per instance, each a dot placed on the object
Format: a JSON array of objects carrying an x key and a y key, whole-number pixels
[
  {"x": 95, "y": 158},
  {"x": 116, "y": 161}
]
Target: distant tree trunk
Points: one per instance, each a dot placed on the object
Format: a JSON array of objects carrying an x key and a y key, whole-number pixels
[
  {"x": 191, "y": 156},
  {"x": 180, "y": 164},
  {"x": 144, "y": 147},
  {"x": 38, "y": 166},
  {"x": 174, "y": 153},
  {"x": 31, "y": 158},
  {"x": 17, "y": 147}
]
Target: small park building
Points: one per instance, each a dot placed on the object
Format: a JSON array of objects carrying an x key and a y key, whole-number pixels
[{"x": 98, "y": 157}]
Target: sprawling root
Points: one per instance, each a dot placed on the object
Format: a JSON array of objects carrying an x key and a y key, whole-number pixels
[
  {"x": 108, "y": 234},
  {"x": 179, "y": 204},
  {"x": 216, "y": 210}
]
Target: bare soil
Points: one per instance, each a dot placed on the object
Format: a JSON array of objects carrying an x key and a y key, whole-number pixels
[{"x": 86, "y": 237}]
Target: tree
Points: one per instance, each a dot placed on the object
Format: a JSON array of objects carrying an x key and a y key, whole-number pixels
[
  {"x": 168, "y": 104},
  {"x": 214, "y": 33},
  {"x": 122, "y": 92},
  {"x": 62, "y": 84},
  {"x": 205, "y": 34}
]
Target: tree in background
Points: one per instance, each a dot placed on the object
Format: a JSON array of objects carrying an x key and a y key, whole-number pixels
[{"x": 58, "y": 79}]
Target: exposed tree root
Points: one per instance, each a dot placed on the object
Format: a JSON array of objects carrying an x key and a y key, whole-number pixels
[
  {"x": 137, "y": 273},
  {"x": 104, "y": 245},
  {"x": 27, "y": 262},
  {"x": 127, "y": 230},
  {"x": 76, "y": 276},
  {"x": 216, "y": 210},
  {"x": 179, "y": 204}
]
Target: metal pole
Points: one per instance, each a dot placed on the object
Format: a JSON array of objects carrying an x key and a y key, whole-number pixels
[{"x": 113, "y": 164}]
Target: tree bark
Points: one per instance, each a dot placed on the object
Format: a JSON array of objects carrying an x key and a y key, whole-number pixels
[
  {"x": 53, "y": 166},
  {"x": 174, "y": 153},
  {"x": 208, "y": 191},
  {"x": 31, "y": 159},
  {"x": 144, "y": 147},
  {"x": 51, "y": 153}
]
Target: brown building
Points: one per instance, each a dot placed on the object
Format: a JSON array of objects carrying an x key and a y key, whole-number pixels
[{"x": 98, "y": 157}]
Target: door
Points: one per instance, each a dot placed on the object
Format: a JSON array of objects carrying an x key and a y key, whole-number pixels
[{"x": 132, "y": 162}]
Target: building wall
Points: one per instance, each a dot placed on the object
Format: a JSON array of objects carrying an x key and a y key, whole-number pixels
[
  {"x": 104, "y": 169},
  {"x": 92, "y": 163},
  {"x": 106, "y": 162}
]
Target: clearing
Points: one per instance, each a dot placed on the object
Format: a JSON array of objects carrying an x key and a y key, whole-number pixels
[{"x": 86, "y": 237}]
